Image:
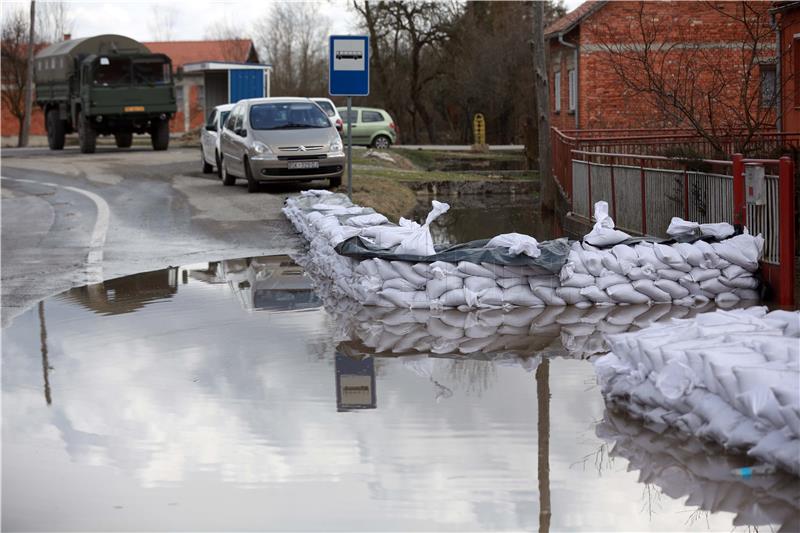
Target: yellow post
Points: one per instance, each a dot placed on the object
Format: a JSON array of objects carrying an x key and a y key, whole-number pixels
[{"x": 479, "y": 131}]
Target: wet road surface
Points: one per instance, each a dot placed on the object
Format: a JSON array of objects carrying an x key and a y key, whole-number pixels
[{"x": 225, "y": 396}]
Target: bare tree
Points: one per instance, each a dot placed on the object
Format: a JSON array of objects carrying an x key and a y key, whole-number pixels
[
  {"x": 13, "y": 54},
  {"x": 548, "y": 192},
  {"x": 293, "y": 38},
  {"x": 720, "y": 92},
  {"x": 229, "y": 36},
  {"x": 54, "y": 20},
  {"x": 161, "y": 24}
]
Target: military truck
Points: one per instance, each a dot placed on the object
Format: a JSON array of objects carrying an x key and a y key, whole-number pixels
[{"x": 104, "y": 85}]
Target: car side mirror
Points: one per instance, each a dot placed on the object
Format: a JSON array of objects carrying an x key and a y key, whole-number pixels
[
  {"x": 211, "y": 127},
  {"x": 241, "y": 132}
]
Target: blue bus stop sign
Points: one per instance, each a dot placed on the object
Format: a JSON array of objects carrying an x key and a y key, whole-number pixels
[{"x": 348, "y": 65}]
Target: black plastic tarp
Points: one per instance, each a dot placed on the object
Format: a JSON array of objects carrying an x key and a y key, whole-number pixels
[{"x": 554, "y": 254}]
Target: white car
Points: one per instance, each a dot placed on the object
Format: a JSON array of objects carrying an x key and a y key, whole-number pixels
[
  {"x": 330, "y": 109},
  {"x": 209, "y": 137}
]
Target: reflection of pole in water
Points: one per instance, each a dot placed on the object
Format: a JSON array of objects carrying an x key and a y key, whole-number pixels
[
  {"x": 543, "y": 397},
  {"x": 45, "y": 362}
]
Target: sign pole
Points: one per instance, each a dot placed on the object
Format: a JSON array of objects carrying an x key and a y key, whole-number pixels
[{"x": 349, "y": 148}]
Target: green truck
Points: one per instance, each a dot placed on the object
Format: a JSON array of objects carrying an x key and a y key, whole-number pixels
[{"x": 104, "y": 85}]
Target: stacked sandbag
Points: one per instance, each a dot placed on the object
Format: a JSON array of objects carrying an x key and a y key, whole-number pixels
[
  {"x": 727, "y": 376},
  {"x": 564, "y": 331},
  {"x": 700, "y": 473}
]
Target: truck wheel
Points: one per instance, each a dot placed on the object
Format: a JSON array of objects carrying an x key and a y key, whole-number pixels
[
  {"x": 86, "y": 134},
  {"x": 227, "y": 179},
  {"x": 123, "y": 139},
  {"x": 56, "y": 130},
  {"x": 159, "y": 134},
  {"x": 335, "y": 182},
  {"x": 252, "y": 184}
]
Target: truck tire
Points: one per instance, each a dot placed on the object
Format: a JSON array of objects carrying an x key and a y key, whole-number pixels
[
  {"x": 123, "y": 139},
  {"x": 56, "y": 130},
  {"x": 159, "y": 134},
  {"x": 86, "y": 134}
]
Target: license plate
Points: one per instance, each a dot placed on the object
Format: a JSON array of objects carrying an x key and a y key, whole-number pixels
[
  {"x": 303, "y": 164},
  {"x": 133, "y": 108}
]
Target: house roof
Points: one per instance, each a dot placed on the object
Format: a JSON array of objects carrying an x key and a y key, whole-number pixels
[
  {"x": 573, "y": 18},
  {"x": 183, "y": 52}
]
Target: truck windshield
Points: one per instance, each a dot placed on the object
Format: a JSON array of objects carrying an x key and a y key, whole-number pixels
[
  {"x": 287, "y": 116},
  {"x": 155, "y": 71},
  {"x": 110, "y": 71}
]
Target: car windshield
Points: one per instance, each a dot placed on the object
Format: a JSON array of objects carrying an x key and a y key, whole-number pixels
[
  {"x": 291, "y": 115},
  {"x": 112, "y": 71},
  {"x": 327, "y": 107},
  {"x": 152, "y": 71}
]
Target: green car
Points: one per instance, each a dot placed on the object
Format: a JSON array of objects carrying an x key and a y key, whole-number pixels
[{"x": 371, "y": 127}]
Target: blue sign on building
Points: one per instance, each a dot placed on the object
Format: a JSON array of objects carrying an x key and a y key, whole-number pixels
[
  {"x": 348, "y": 65},
  {"x": 245, "y": 83}
]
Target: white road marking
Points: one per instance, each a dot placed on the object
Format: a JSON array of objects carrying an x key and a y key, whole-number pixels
[{"x": 94, "y": 260}]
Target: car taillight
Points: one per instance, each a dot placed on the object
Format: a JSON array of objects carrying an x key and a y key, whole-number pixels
[
  {"x": 391, "y": 125},
  {"x": 339, "y": 122}
]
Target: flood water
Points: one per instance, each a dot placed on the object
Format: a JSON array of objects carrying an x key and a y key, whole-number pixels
[{"x": 225, "y": 396}]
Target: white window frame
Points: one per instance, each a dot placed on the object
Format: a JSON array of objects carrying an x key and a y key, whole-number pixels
[
  {"x": 573, "y": 90},
  {"x": 557, "y": 90}
]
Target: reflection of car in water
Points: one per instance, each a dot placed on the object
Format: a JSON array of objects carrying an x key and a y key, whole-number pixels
[
  {"x": 127, "y": 294},
  {"x": 268, "y": 282}
]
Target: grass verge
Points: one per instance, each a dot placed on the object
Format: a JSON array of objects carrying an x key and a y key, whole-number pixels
[{"x": 386, "y": 196}]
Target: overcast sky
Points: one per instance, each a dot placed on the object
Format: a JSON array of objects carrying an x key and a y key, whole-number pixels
[{"x": 193, "y": 19}]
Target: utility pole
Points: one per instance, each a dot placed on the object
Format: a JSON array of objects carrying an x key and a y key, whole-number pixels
[
  {"x": 547, "y": 192},
  {"x": 26, "y": 124}
]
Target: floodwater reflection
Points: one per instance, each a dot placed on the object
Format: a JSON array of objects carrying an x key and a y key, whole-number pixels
[{"x": 202, "y": 398}]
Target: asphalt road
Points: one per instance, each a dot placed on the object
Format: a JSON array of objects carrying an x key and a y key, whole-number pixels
[{"x": 69, "y": 219}]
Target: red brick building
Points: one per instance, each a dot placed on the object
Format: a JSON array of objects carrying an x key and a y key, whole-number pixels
[
  {"x": 699, "y": 44},
  {"x": 789, "y": 17}
]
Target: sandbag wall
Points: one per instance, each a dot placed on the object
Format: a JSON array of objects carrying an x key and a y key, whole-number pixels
[
  {"x": 683, "y": 274},
  {"x": 726, "y": 376}
]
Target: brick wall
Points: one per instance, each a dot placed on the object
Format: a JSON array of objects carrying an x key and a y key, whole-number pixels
[
  {"x": 604, "y": 101},
  {"x": 790, "y": 61},
  {"x": 9, "y": 125}
]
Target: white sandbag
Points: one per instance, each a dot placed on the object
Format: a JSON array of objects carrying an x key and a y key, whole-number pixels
[
  {"x": 367, "y": 268},
  {"x": 517, "y": 244},
  {"x": 626, "y": 255},
  {"x": 522, "y": 296},
  {"x": 734, "y": 271},
  {"x": 642, "y": 272},
  {"x": 548, "y": 295},
  {"x": 479, "y": 283},
  {"x": 699, "y": 275},
  {"x": 673, "y": 288},
  {"x": 423, "y": 269},
  {"x": 612, "y": 264},
  {"x": 543, "y": 281},
  {"x": 714, "y": 286},
  {"x": 399, "y": 284},
  {"x": 493, "y": 297},
  {"x": 419, "y": 241},
  {"x": 790, "y": 320},
  {"x": 649, "y": 289},
  {"x": 593, "y": 261},
  {"x": 404, "y": 299},
  {"x": 453, "y": 298},
  {"x": 363, "y": 221},
  {"x": 387, "y": 237},
  {"x": 385, "y": 269},
  {"x": 670, "y": 274},
  {"x": 626, "y": 293},
  {"x": 741, "y": 282},
  {"x": 647, "y": 256},
  {"x": 608, "y": 280},
  {"x": 603, "y": 232},
  {"x": 472, "y": 269},
  {"x": 694, "y": 288},
  {"x": 747, "y": 294},
  {"x": 578, "y": 280},
  {"x": 440, "y": 269},
  {"x": 596, "y": 295},
  {"x": 719, "y": 230},
  {"x": 574, "y": 263},
  {"x": 571, "y": 295},
  {"x": 690, "y": 253},
  {"x": 507, "y": 283},
  {"x": 671, "y": 257},
  {"x": 682, "y": 228},
  {"x": 407, "y": 272}
]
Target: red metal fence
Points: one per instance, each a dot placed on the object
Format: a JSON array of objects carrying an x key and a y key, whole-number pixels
[{"x": 645, "y": 189}]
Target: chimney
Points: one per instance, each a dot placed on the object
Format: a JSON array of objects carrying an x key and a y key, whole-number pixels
[{"x": 67, "y": 36}]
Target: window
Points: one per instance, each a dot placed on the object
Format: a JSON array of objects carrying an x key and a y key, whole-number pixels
[
  {"x": 287, "y": 116},
  {"x": 210, "y": 121},
  {"x": 326, "y": 106},
  {"x": 768, "y": 85},
  {"x": 111, "y": 71},
  {"x": 353, "y": 115},
  {"x": 230, "y": 123},
  {"x": 151, "y": 72},
  {"x": 573, "y": 90},
  {"x": 371, "y": 116},
  {"x": 557, "y": 90},
  {"x": 223, "y": 116}
]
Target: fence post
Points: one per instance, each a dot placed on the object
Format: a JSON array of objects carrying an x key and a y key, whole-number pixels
[
  {"x": 786, "y": 231},
  {"x": 739, "y": 209},
  {"x": 613, "y": 189},
  {"x": 589, "y": 184},
  {"x": 644, "y": 198},
  {"x": 685, "y": 194}
]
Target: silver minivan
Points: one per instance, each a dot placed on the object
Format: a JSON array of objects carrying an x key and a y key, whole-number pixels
[{"x": 279, "y": 139}]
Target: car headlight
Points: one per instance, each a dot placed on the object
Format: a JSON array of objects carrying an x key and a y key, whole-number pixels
[
  {"x": 261, "y": 149},
  {"x": 336, "y": 145}
]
